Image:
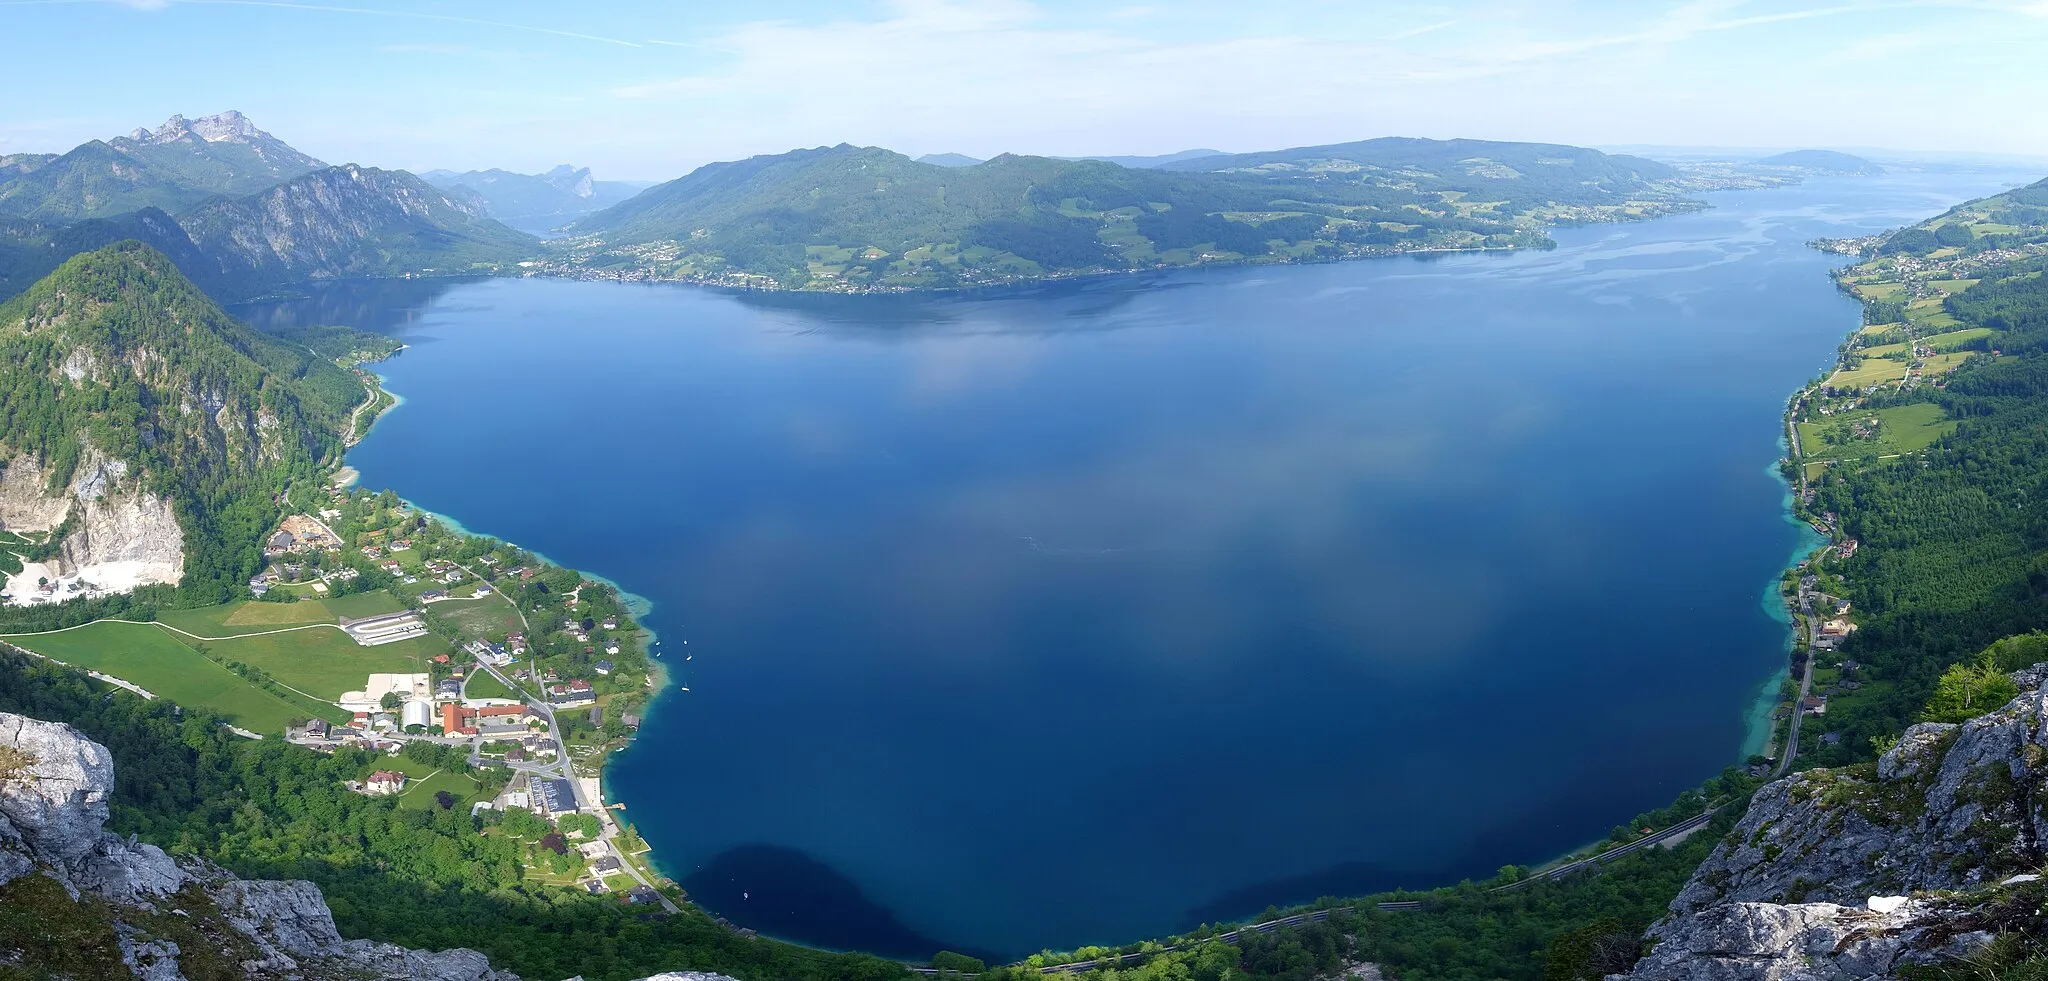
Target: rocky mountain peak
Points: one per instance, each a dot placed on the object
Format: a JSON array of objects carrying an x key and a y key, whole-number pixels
[
  {"x": 575, "y": 180},
  {"x": 226, "y": 127}
]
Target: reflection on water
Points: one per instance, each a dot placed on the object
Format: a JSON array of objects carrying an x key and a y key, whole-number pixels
[{"x": 1083, "y": 613}]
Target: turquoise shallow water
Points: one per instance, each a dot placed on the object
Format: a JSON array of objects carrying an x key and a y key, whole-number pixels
[{"x": 1085, "y": 613}]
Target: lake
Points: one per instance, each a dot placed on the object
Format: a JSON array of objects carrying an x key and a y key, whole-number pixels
[{"x": 1085, "y": 613}]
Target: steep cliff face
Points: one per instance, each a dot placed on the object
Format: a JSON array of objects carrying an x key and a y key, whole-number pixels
[
  {"x": 117, "y": 536},
  {"x": 1919, "y": 858}
]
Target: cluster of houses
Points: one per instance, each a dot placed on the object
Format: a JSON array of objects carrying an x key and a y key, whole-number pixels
[{"x": 300, "y": 534}]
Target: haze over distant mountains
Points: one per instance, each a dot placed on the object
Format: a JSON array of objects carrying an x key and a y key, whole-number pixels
[
  {"x": 535, "y": 202},
  {"x": 1134, "y": 162},
  {"x": 1821, "y": 162}
]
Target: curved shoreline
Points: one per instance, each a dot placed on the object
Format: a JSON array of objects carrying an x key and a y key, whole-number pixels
[{"x": 1756, "y": 711}]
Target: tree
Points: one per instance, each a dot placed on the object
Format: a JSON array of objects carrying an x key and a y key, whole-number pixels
[
  {"x": 391, "y": 700},
  {"x": 1596, "y": 950},
  {"x": 1966, "y": 691},
  {"x": 951, "y": 962}
]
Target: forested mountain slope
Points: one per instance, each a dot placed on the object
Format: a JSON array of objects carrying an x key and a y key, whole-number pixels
[
  {"x": 858, "y": 218},
  {"x": 348, "y": 221},
  {"x": 142, "y": 425}
]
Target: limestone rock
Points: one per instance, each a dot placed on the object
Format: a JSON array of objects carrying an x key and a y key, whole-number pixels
[
  {"x": 1805, "y": 942},
  {"x": 54, "y": 800},
  {"x": 1829, "y": 873}
]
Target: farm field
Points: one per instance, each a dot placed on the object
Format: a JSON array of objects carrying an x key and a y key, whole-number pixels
[
  {"x": 491, "y": 616},
  {"x": 358, "y": 605},
  {"x": 246, "y": 617},
  {"x": 325, "y": 662},
  {"x": 152, "y": 657},
  {"x": 1956, "y": 338},
  {"x": 1873, "y": 371},
  {"x": 1903, "y": 429}
]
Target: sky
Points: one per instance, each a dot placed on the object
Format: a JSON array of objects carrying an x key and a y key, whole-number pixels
[{"x": 649, "y": 89}]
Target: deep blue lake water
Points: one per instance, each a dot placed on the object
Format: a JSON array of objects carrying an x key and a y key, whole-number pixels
[{"x": 1087, "y": 613}]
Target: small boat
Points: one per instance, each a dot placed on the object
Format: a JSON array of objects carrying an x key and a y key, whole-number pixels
[
  {"x": 685, "y": 689},
  {"x": 688, "y": 656}
]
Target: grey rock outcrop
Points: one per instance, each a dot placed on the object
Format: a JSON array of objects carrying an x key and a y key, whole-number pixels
[
  {"x": 54, "y": 785},
  {"x": 1806, "y": 942},
  {"x": 1791, "y": 893}
]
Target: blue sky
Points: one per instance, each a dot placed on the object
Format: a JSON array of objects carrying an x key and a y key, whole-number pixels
[{"x": 651, "y": 89}]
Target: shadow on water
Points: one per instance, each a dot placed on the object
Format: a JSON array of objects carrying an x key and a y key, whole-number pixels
[
  {"x": 788, "y": 894},
  {"x": 383, "y": 306}
]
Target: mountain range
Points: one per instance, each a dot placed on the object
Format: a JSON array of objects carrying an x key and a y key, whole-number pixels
[
  {"x": 239, "y": 211},
  {"x": 862, "y": 218}
]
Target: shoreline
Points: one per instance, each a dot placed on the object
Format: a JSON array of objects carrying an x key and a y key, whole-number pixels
[{"x": 1757, "y": 727}]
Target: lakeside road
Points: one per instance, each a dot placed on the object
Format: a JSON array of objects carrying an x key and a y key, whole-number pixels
[{"x": 1805, "y": 687}]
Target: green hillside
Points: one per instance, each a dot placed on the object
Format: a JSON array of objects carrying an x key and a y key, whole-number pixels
[
  {"x": 30, "y": 249},
  {"x": 117, "y": 356},
  {"x": 860, "y": 218},
  {"x": 2016, "y": 219}
]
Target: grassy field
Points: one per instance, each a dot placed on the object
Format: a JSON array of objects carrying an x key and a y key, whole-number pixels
[
  {"x": 485, "y": 686},
  {"x": 246, "y": 617},
  {"x": 492, "y": 616},
  {"x": 368, "y": 604},
  {"x": 325, "y": 662},
  {"x": 1927, "y": 314},
  {"x": 1955, "y": 339},
  {"x": 155, "y": 659},
  {"x": 1904, "y": 429},
  {"x": 1952, "y": 285},
  {"x": 419, "y": 792},
  {"x": 1873, "y": 371}
]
